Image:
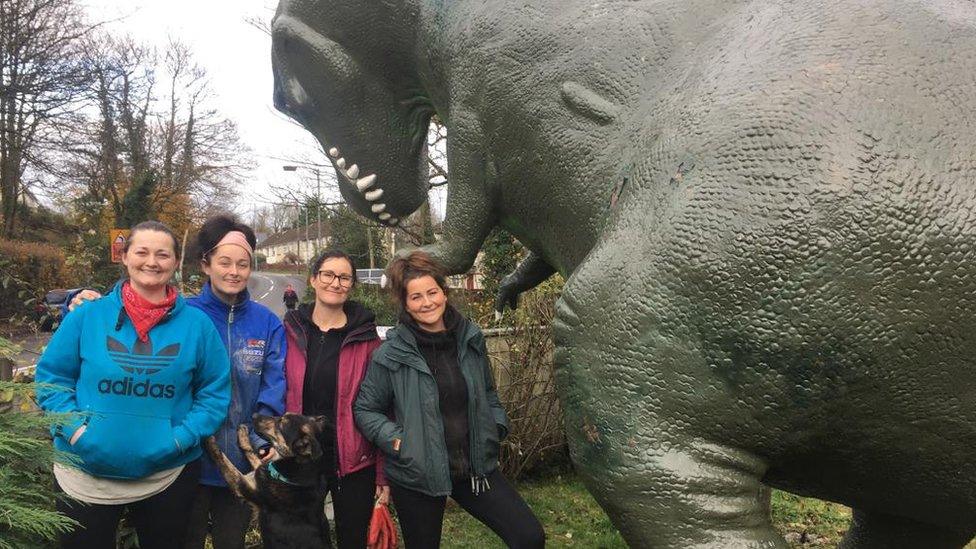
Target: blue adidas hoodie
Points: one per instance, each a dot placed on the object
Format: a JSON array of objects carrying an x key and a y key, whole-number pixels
[
  {"x": 146, "y": 405},
  {"x": 254, "y": 340}
]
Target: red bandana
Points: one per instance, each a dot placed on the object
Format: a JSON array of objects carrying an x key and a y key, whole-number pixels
[{"x": 143, "y": 313}]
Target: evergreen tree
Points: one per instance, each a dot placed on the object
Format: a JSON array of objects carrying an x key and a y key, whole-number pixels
[
  {"x": 137, "y": 203},
  {"x": 27, "y": 515}
]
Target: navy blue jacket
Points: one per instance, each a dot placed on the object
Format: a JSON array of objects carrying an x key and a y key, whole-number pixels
[{"x": 255, "y": 343}]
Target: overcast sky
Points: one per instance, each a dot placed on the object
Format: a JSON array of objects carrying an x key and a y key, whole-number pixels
[{"x": 237, "y": 58}]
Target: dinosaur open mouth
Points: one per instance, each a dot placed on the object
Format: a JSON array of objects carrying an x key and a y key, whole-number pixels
[{"x": 366, "y": 185}]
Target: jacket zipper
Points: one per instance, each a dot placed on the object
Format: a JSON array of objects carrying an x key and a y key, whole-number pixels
[
  {"x": 335, "y": 417},
  {"x": 230, "y": 342},
  {"x": 479, "y": 483}
]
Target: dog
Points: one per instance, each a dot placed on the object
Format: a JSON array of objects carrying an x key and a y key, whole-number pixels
[{"x": 284, "y": 492}]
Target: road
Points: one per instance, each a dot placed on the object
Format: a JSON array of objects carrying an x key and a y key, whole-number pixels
[
  {"x": 269, "y": 289},
  {"x": 266, "y": 288}
]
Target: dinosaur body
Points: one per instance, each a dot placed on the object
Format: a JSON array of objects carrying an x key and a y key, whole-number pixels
[{"x": 765, "y": 211}]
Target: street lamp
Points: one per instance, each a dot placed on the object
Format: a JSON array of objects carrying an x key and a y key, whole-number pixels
[{"x": 318, "y": 206}]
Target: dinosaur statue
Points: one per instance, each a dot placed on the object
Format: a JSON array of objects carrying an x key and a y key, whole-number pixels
[{"x": 765, "y": 212}]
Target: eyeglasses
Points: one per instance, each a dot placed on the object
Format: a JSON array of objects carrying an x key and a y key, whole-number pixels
[{"x": 326, "y": 277}]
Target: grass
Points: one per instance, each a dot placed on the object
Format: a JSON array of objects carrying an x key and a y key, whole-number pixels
[
  {"x": 569, "y": 514},
  {"x": 572, "y": 518}
]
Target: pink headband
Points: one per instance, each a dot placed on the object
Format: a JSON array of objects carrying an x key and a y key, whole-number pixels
[{"x": 235, "y": 238}]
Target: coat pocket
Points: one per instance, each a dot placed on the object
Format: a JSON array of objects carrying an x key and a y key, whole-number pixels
[
  {"x": 406, "y": 466},
  {"x": 127, "y": 446}
]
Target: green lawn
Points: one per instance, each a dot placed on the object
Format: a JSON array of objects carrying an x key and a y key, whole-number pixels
[{"x": 572, "y": 518}]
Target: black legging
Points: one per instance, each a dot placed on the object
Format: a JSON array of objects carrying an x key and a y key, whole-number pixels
[
  {"x": 222, "y": 515},
  {"x": 160, "y": 520},
  {"x": 501, "y": 508},
  {"x": 352, "y": 500}
]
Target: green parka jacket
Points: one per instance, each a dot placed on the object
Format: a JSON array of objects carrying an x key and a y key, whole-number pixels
[{"x": 399, "y": 380}]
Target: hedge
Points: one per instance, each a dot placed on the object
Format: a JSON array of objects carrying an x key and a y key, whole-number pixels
[{"x": 28, "y": 270}]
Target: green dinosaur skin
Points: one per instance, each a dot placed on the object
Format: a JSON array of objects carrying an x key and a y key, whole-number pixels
[{"x": 764, "y": 211}]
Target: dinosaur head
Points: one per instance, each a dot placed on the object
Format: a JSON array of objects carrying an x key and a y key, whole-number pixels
[{"x": 334, "y": 75}]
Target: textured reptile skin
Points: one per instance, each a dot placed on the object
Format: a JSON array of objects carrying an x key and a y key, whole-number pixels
[{"x": 764, "y": 211}]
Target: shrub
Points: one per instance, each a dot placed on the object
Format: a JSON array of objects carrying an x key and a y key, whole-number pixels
[
  {"x": 377, "y": 300},
  {"x": 27, "y": 271},
  {"x": 522, "y": 360}
]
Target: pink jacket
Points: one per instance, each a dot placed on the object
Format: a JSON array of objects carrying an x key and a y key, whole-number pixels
[{"x": 354, "y": 451}]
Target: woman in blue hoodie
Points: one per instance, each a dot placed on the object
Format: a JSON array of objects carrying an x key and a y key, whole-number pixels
[{"x": 141, "y": 378}]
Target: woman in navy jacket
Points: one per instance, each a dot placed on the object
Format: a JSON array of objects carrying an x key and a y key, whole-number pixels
[{"x": 255, "y": 341}]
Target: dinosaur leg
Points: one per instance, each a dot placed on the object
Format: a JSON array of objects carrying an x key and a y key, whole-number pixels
[
  {"x": 630, "y": 404},
  {"x": 870, "y": 530}
]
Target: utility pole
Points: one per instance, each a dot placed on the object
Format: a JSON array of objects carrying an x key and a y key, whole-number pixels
[{"x": 318, "y": 209}]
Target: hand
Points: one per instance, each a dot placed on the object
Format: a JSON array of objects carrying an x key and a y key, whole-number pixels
[
  {"x": 83, "y": 296},
  {"x": 267, "y": 454},
  {"x": 382, "y": 494},
  {"x": 396, "y": 445},
  {"x": 77, "y": 434}
]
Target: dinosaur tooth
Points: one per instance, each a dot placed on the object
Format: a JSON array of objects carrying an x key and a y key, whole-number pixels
[
  {"x": 384, "y": 216},
  {"x": 334, "y": 152},
  {"x": 374, "y": 194},
  {"x": 352, "y": 172},
  {"x": 366, "y": 182},
  {"x": 341, "y": 162},
  {"x": 377, "y": 208}
]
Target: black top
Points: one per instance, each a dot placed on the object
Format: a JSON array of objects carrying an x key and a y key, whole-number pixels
[
  {"x": 322, "y": 370},
  {"x": 440, "y": 350}
]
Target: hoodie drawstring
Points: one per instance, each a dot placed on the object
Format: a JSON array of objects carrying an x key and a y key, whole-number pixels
[{"x": 479, "y": 485}]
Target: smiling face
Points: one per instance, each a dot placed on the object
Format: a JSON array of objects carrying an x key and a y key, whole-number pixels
[
  {"x": 229, "y": 268},
  {"x": 332, "y": 282},
  {"x": 150, "y": 262},
  {"x": 426, "y": 303}
]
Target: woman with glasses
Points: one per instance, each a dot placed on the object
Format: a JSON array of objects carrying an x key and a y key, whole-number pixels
[{"x": 329, "y": 345}]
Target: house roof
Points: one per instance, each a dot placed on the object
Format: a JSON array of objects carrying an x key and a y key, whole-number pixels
[{"x": 294, "y": 235}]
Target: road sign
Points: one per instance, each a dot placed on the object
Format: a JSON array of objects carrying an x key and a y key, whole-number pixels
[{"x": 116, "y": 242}]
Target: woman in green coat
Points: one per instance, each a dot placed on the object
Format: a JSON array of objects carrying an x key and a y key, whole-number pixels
[{"x": 447, "y": 421}]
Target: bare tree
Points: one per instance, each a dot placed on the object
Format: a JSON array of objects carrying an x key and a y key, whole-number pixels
[
  {"x": 154, "y": 111},
  {"x": 42, "y": 77}
]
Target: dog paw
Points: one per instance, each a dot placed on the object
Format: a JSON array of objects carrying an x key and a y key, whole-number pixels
[
  {"x": 210, "y": 444},
  {"x": 243, "y": 438}
]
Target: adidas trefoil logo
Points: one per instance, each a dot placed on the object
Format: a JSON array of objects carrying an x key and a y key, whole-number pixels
[{"x": 140, "y": 360}]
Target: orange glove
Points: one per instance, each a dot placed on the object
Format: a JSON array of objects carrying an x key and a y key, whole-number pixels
[{"x": 382, "y": 531}]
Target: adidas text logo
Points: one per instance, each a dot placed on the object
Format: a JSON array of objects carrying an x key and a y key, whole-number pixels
[{"x": 129, "y": 387}]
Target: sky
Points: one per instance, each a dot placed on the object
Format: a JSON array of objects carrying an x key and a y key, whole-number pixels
[{"x": 237, "y": 57}]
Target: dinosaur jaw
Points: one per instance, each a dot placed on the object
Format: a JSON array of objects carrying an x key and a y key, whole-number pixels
[{"x": 365, "y": 193}]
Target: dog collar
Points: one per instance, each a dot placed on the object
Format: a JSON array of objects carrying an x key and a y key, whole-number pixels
[{"x": 276, "y": 475}]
